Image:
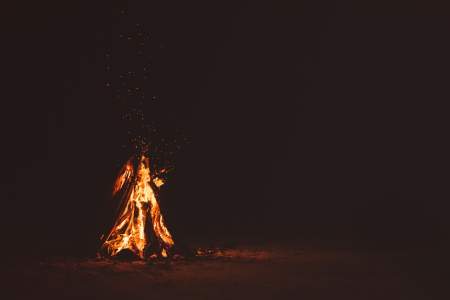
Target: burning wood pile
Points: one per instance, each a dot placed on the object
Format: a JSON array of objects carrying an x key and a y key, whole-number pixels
[{"x": 139, "y": 225}]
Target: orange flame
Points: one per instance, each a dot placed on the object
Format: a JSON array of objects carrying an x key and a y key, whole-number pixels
[{"x": 139, "y": 202}]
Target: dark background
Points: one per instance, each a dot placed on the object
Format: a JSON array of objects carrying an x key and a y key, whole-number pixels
[{"x": 305, "y": 119}]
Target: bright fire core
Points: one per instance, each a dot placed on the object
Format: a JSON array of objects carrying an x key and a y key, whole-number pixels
[{"x": 140, "y": 224}]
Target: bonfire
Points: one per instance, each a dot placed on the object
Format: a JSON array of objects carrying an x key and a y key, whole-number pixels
[{"x": 139, "y": 226}]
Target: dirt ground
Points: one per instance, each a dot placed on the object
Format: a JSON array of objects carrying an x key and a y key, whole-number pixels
[{"x": 275, "y": 272}]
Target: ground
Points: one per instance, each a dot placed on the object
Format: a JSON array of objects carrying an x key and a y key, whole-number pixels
[{"x": 246, "y": 272}]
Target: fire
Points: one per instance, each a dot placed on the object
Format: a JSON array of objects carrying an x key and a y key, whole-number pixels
[{"x": 140, "y": 224}]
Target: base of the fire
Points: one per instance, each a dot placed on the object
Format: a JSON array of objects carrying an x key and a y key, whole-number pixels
[
  {"x": 128, "y": 255},
  {"x": 174, "y": 254}
]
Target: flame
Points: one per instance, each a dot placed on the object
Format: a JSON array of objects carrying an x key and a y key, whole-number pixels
[
  {"x": 139, "y": 203},
  {"x": 125, "y": 174}
]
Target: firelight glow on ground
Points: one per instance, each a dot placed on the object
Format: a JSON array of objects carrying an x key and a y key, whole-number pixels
[{"x": 269, "y": 272}]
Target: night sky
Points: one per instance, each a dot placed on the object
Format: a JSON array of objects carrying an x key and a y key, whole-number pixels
[{"x": 283, "y": 120}]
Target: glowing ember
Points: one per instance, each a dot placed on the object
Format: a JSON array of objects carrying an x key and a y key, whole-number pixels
[{"x": 139, "y": 226}]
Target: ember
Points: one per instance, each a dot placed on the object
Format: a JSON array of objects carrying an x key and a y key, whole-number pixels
[{"x": 139, "y": 226}]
